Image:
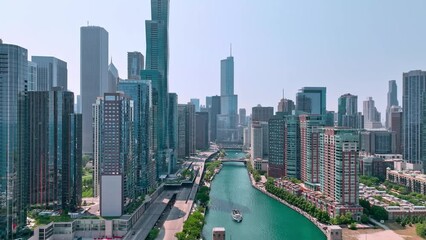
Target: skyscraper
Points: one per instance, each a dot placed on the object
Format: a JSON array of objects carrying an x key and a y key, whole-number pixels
[
  {"x": 78, "y": 108},
  {"x": 396, "y": 126},
  {"x": 347, "y": 115},
  {"x": 292, "y": 146},
  {"x": 113, "y": 78},
  {"x": 93, "y": 75},
  {"x": 262, "y": 114},
  {"x": 339, "y": 165},
  {"x": 186, "y": 130},
  {"x": 286, "y": 106},
  {"x": 213, "y": 113},
  {"x": 392, "y": 100},
  {"x": 208, "y": 102},
  {"x": 413, "y": 105},
  {"x": 276, "y": 166},
  {"x": 54, "y": 150},
  {"x": 202, "y": 130},
  {"x": 310, "y": 149},
  {"x": 51, "y": 72},
  {"x": 372, "y": 117},
  {"x": 135, "y": 63},
  {"x": 157, "y": 58},
  {"x": 377, "y": 141},
  {"x": 140, "y": 92},
  {"x": 196, "y": 103},
  {"x": 32, "y": 76},
  {"x": 173, "y": 131},
  {"x": 256, "y": 141},
  {"x": 242, "y": 116},
  {"x": 117, "y": 169},
  {"x": 228, "y": 119},
  {"x": 14, "y": 139},
  {"x": 311, "y": 100}
]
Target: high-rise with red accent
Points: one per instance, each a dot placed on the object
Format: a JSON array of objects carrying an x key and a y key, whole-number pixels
[
  {"x": 310, "y": 149},
  {"x": 339, "y": 165}
]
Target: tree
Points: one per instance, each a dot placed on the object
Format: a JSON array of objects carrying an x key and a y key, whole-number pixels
[
  {"x": 421, "y": 229},
  {"x": 364, "y": 218},
  {"x": 352, "y": 226},
  {"x": 379, "y": 213}
]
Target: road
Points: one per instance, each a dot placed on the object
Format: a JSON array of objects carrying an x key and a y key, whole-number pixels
[
  {"x": 182, "y": 207},
  {"x": 150, "y": 217}
]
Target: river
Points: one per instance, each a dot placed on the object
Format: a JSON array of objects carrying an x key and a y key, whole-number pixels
[{"x": 264, "y": 217}]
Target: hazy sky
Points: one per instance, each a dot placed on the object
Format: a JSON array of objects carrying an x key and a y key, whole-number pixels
[{"x": 346, "y": 46}]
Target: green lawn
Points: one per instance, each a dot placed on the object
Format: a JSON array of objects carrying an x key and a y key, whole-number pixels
[{"x": 87, "y": 181}]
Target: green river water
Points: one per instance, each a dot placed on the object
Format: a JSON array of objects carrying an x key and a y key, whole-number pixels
[{"x": 264, "y": 217}]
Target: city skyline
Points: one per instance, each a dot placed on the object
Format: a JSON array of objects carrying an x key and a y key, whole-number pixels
[{"x": 351, "y": 50}]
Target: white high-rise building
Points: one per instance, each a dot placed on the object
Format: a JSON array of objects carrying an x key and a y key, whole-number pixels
[{"x": 371, "y": 115}]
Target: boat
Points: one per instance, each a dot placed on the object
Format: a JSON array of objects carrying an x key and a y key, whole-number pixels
[{"x": 236, "y": 215}]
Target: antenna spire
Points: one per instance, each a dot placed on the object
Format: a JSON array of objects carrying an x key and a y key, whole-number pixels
[{"x": 283, "y": 93}]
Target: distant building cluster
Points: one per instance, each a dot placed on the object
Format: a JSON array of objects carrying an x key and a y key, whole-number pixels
[{"x": 328, "y": 150}]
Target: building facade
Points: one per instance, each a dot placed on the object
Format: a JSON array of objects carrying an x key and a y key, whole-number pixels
[
  {"x": 395, "y": 124},
  {"x": 32, "y": 76},
  {"x": 292, "y": 146},
  {"x": 214, "y": 111},
  {"x": 392, "y": 100},
  {"x": 310, "y": 149},
  {"x": 113, "y": 78},
  {"x": 55, "y": 150},
  {"x": 135, "y": 64},
  {"x": 227, "y": 120},
  {"x": 51, "y": 72},
  {"x": 261, "y": 114},
  {"x": 93, "y": 76},
  {"x": 117, "y": 165},
  {"x": 202, "y": 130},
  {"x": 347, "y": 115},
  {"x": 377, "y": 142},
  {"x": 372, "y": 117},
  {"x": 14, "y": 139},
  {"x": 339, "y": 165},
  {"x": 140, "y": 92},
  {"x": 157, "y": 70},
  {"x": 196, "y": 103},
  {"x": 186, "y": 130},
  {"x": 413, "y": 105},
  {"x": 277, "y": 150},
  {"x": 311, "y": 100},
  {"x": 286, "y": 106},
  {"x": 173, "y": 131}
]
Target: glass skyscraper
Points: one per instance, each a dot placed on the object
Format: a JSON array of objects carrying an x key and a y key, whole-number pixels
[
  {"x": 140, "y": 92},
  {"x": 392, "y": 98},
  {"x": 54, "y": 149},
  {"x": 13, "y": 139},
  {"x": 135, "y": 63},
  {"x": 414, "y": 116},
  {"x": 347, "y": 114},
  {"x": 51, "y": 72},
  {"x": 157, "y": 58},
  {"x": 311, "y": 100},
  {"x": 227, "y": 120},
  {"x": 173, "y": 130}
]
